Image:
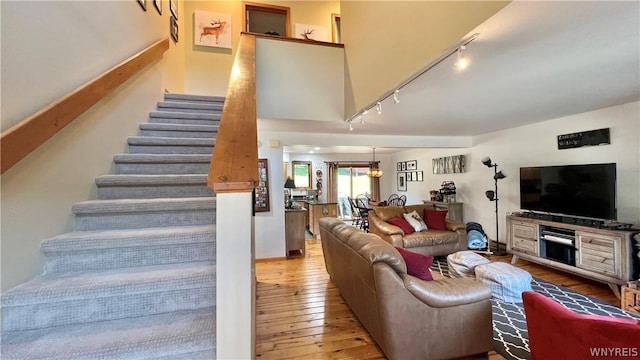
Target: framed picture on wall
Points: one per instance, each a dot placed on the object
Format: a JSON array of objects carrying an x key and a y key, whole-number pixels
[
  {"x": 158, "y": 6},
  {"x": 143, "y": 4},
  {"x": 420, "y": 176},
  {"x": 173, "y": 6},
  {"x": 174, "y": 28},
  {"x": 412, "y": 165},
  {"x": 398, "y": 166},
  {"x": 403, "y": 166},
  {"x": 262, "y": 190},
  {"x": 402, "y": 181}
]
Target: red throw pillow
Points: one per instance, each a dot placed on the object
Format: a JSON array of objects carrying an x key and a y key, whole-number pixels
[
  {"x": 402, "y": 224},
  {"x": 417, "y": 264},
  {"x": 435, "y": 219}
]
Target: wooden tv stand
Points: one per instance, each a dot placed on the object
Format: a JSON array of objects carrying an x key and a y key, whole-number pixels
[{"x": 602, "y": 255}]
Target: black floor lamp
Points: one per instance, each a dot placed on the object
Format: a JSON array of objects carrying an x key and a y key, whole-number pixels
[{"x": 492, "y": 195}]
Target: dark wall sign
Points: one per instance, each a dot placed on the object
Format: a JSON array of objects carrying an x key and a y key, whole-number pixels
[{"x": 584, "y": 138}]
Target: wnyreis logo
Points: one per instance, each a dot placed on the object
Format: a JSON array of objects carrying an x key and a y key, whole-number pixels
[{"x": 614, "y": 352}]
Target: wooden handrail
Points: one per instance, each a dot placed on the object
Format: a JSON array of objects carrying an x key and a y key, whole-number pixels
[
  {"x": 234, "y": 167},
  {"x": 24, "y": 137}
]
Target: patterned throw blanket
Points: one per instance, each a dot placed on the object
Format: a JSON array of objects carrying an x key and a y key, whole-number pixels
[{"x": 510, "y": 336}]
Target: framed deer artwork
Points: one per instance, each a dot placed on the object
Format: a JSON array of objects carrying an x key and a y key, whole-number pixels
[{"x": 212, "y": 29}]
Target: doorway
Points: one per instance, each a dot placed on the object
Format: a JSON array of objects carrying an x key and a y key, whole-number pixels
[
  {"x": 266, "y": 19},
  {"x": 352, "y": 181}
]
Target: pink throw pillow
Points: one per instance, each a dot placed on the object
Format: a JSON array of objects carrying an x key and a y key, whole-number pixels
[
  {"x": 417, "y": 264},
  {"x": 435, "y": 219},
  {"x": 402, "y": 224}
]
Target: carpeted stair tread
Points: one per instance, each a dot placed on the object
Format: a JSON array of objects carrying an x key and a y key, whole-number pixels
[
  {"x": 179, "y": 335},
  {"x": 188, "y": 97},
  {"x": 209, "y": 118},
  {"x": 162, "y": 163},
  {"x": 143, "y": 205},
  {"x": 158, "y": 179},
  {"x": 88, "y": 285},
  {"x": 179, "y": 127},
  {"x": 162, "y": 158},
  {"x": 147, "y": 186},
  {"x": 82, "y": 251},
  {"x": 144, "y": 213},
  {"x": 170, "y": 141},
  {"x": 183, "y": 106},
  {"x": 105, "y": 239}
]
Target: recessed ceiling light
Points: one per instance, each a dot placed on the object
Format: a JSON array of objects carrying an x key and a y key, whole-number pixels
[{"x": 316, "y": 148}]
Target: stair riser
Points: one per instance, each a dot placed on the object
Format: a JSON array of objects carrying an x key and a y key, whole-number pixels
[
  {"x": 158, "y": 169},
  {"x": 85, "y": 222},
  {"x": 184, "y": 121},
  {"x": 157, "y": 191},
  {"x": 115, "y": 258},
  {"x": 169, "y": 149},
  {"x": 106, "y": 307},
  {"x": 179, "y": 134}
]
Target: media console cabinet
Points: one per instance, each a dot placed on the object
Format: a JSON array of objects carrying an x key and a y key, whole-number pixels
[{"x": 599, "y": 254}]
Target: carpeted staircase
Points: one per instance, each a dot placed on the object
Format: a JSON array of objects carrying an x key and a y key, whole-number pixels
[{"x": 136, "y": 279}]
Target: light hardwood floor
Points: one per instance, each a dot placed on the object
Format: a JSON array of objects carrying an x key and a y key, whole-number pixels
[{"x": 301, "y": 315}]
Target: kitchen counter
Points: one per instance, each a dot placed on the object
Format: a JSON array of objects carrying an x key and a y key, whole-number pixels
[{"x": 317, "y": 210}]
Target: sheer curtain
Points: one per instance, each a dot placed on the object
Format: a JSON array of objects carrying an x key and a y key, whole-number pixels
[{"x": 332, "y": 181}]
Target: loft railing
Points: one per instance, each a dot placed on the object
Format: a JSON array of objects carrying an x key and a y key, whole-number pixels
[{"x": 26, "y": 136}]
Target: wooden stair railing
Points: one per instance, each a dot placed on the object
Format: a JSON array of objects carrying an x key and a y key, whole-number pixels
[
  {"x": 234, "y": 166},
  {"x": 26, "y": 136}
]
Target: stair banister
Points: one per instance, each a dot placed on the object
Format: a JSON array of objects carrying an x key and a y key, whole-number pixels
[
  {"x": 233, "y": 175},
  {"x": 21, "y": 139}
]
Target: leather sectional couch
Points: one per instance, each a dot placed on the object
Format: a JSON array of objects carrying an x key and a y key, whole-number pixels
[
  {"x": 407, "y": 317},
  {"x": 430, "y": 242}
]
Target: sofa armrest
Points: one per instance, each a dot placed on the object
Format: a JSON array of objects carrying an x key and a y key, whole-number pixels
[
  {"x": 387, "y": 232},
  {"x": 447, "y": 292},
  {"x": 454, "y": 225}
]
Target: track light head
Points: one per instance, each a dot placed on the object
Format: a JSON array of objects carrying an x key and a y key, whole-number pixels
[
  {"x": 396, "y": 99},
  {"x": 350, "y": 126},
  {"x": 379, "y": 108},
  {"x": 462, "y": 62}
]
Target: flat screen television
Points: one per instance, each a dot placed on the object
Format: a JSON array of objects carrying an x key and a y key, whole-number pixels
[{"x": 576, "y": 190}]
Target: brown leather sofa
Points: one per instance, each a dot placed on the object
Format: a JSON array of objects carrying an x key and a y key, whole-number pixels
[
  {"x": 430, "y": 242},
  {"x": 407, "y": 317}
]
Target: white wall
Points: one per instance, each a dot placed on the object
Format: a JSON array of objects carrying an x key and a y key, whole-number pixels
[
  {"x": 530, "y": 146},
  {"x": 48, "y": 49},
  {"x": 309, "y": 78},
  {"x": 269, "y": 238}
]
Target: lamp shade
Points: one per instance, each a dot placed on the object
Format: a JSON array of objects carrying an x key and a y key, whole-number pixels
[
  {"x": 490, "y": 194},
  {"x": 487, "y": 161},
  {"x": 500, "y": 175},
  {"x": 289, "y": 184}
]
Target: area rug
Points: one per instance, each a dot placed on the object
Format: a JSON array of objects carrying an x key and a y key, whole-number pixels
[{"x": 510, "y": 336}]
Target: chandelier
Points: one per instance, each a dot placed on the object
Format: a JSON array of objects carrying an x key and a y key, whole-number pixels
[{"x": 374, "y": 172}]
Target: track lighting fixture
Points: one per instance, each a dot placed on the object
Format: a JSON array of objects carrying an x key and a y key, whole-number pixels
[
  {"x": 396, "y": 100},
  {"x": 362, "y": 118},
  {"x": 462, "y": 62},
  {"x": 350, "y": 126}
]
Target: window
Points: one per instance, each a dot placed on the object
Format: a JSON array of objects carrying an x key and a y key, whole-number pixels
[
  {"x": 264, "y": 18},
  {"x": 301, "y": 174}
]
